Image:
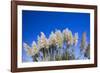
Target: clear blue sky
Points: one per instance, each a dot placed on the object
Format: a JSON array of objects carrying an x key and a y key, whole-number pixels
[{"x": 33, "y": 22}]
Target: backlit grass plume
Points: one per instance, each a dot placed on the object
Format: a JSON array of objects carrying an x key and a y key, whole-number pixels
[{"x": 60, "y": 45}]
